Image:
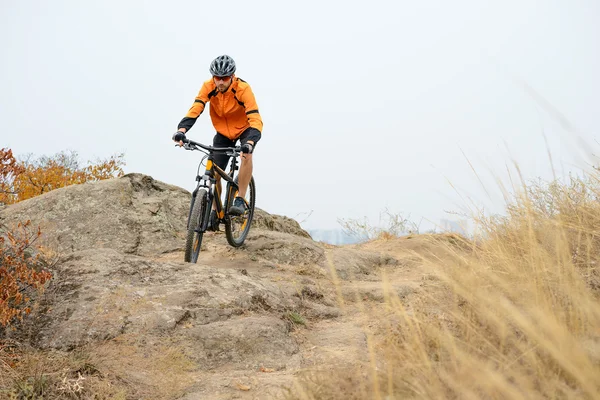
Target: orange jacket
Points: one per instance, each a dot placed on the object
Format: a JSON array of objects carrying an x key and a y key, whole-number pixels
[{"x": 231, "y": 112}]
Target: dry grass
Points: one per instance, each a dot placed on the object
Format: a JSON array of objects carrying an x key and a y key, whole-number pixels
[
  {"x": 153, "y": 367},
  {"x": 515, "y": 314},
  {"x": 122, "y": 368},
  {"x": 33, "y": 374}
]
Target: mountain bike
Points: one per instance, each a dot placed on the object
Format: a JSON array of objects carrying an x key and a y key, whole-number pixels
[{"x": 207, "y": 192}]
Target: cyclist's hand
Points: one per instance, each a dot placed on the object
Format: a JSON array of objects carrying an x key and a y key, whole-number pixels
[
  {"x": 247, "y": 148},
  {"x": 179, "y": 137}
]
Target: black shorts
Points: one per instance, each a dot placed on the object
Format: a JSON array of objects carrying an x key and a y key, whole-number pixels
[{"x": 222, "y": 141}]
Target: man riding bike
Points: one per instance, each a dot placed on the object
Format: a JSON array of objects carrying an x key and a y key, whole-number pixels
[{"x": 234, "y": 114}]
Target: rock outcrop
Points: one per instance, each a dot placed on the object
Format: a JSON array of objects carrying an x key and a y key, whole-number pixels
[{"x": 121, "y": 273}]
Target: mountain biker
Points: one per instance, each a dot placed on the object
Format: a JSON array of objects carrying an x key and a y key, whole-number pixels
[{"x": 234, "y": 114}]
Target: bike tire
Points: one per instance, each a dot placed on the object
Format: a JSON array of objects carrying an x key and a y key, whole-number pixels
[
  {"x": 230, "y": 220},
  {"x": 193, "y": 240}
]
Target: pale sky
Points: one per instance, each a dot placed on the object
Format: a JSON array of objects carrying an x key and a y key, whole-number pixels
[{"x": 365, "y": 104}]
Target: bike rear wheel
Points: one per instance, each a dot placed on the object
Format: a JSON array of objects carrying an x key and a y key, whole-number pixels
[
  {"x": 237, "y": 227},
  {"x": 193, "y": 241}
]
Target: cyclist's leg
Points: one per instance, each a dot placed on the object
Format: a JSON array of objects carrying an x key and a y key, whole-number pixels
[
  {"x": 221, "y": 159},
  {"x": 251, "y": 136}
]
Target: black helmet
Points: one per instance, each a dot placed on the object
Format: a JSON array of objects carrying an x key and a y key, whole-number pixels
[{"x": 222, "y": 66}]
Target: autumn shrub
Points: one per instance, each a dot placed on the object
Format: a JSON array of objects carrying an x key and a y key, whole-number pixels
[
  {"x": 22, "y": 271},
  {"x": 21, "y": 180},
  {"x": 9, "y": 169}
]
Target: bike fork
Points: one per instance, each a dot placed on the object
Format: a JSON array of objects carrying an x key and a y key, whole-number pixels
[{"x": 207, "y": 210}]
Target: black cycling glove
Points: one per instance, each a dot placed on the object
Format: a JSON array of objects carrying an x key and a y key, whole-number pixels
[{"x": 178, "y": 136}]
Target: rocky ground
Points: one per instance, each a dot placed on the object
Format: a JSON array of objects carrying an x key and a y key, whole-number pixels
[{"x": 241, "y": 323}]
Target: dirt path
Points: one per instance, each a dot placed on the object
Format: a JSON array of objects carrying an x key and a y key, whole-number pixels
[{"x": 323, "y": 342}]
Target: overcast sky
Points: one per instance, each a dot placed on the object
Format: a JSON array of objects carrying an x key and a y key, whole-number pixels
[{"x": 365, "y": 104}]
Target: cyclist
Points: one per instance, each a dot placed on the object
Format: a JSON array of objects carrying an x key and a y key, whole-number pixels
[{"x": 234, "y": 114}]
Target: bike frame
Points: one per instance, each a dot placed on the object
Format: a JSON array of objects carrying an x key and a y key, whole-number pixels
[{"x": 209, "y": 182}]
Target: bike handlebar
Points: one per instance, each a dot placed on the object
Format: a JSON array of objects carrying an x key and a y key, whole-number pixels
[{"x": 189, "y": 143}]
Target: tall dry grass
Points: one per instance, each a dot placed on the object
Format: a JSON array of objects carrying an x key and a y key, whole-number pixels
[{"x": 514, "y": 314}]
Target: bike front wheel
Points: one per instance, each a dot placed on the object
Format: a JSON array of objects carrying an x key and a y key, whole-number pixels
[
  {"x": 237, "y": 227},
  {"x": 194, "y": 234}
]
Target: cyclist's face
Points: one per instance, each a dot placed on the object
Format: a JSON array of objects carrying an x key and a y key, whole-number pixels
[{"x": 222, "y": 82}]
